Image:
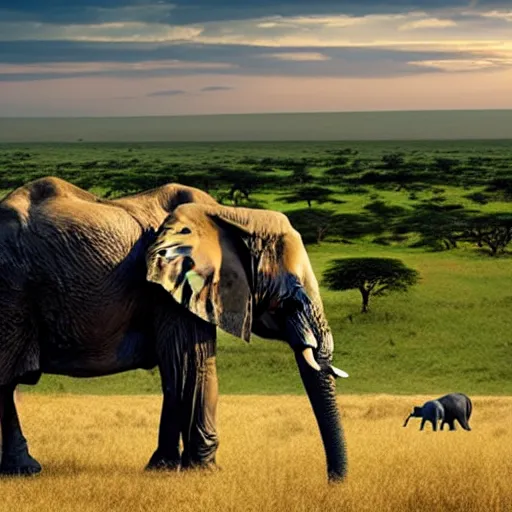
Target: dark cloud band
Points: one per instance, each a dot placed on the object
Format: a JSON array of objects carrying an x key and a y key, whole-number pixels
[
  {"x": 239, "y": 60},
  {"x": 200, "y": 11}
]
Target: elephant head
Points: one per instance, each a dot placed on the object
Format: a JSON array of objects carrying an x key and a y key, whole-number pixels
[
  {"x": 248, "y": 271},
  {"x": 417, "y": 412}
]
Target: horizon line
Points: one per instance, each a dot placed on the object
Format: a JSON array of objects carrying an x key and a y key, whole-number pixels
[{"x": 313, "y": 112}]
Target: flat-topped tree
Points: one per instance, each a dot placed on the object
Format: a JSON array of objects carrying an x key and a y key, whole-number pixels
[
  {"x": 302, "y": 175},
  {"x": 440, "y": 226},
  {"x": 371, "y": 276},
  {"x": 493, "y": 230},
  {"x": 316, "y": 225},
  {"x": 310, "y": 193},
  {"x": 312, "y": 223}
]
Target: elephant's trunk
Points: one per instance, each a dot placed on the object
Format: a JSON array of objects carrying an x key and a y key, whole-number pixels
[
  {"x": 307, "y": 332},
  {"x": 320, "y": 388},
  {"x": 309, "y": 335}
]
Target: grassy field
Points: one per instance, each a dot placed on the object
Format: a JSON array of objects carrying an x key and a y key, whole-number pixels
[
  {"x": 93, "y": 450},
  {"x": 451, "y": 332}
]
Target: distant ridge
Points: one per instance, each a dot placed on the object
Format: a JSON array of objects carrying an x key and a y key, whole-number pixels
[{"x": 388, "y": 125}]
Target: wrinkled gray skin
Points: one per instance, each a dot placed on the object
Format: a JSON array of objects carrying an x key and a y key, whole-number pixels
[
  {"x": 454, "y": 406},
  {"x": 75, "y": 300},
  {"x": 430, "y": 411}
]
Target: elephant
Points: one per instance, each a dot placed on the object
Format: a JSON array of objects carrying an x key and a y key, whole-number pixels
[
  {"x": 92, "y": 287},
  {"x": 457, "y": 406},
  {"x": 454, "y": 406},
  {"x": 431, "y": 411}
]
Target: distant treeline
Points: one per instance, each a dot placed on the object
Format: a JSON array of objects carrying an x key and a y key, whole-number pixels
[{"x": 324, "y": 178}]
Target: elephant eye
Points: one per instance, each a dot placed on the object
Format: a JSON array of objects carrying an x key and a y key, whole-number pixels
[{"x": 184, "y": 231}]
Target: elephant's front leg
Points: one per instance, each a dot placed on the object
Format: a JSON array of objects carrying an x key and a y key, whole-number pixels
[
  {"x": 186, "y": 353},
  {"x": 200, "y": 440},
  {"x": 167, "y": 455}
]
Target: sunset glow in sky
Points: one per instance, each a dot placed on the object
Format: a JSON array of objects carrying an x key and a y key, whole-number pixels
[{"x": 128, "y": 57}]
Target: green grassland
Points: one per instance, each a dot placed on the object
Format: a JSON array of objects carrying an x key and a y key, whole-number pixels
[{"x": 450, "y": 332}]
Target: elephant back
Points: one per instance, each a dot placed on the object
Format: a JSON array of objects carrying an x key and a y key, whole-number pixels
[{"x": 456, "y": 403}]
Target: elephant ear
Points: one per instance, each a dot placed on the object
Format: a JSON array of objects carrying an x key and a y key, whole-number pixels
[{"x": 202, "y": 261}]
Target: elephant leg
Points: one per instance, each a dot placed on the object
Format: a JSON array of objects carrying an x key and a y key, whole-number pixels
[
  {"x": 422, "y": 426},
  {"x": 189, "y": 384},
  {"x": 200, "y": 440},
  {"x": 451, "y": 424},
  {"x": 16, "y": 460},
  {"x": 463, "y": 423},
  {"x": 434, "y": 425},
  {"x": 167, "y": 455},
  {"x": 442, "y": 424}
]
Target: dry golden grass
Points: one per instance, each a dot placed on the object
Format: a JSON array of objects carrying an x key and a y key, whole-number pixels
[{"x": 94, "y": 448}]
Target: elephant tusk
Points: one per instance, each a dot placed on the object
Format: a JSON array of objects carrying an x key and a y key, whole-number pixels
[
  {"x": 310, "y": 358},
  {"x": 338, "y": 373},
  {"x": 170, "y": 253}
]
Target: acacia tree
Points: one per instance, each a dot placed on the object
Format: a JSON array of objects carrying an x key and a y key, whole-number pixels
[
  {"x": 384, "y": 215},
  {"x": 315, "y": 225},
  {"x": 311, "y": 193},
  {"x": 371, "y": 276},
  {"x": 312, "y": 223},
  {"x": 302, "y": 175},
  {"x": 493, "y": 230},
  {"x": 439, "y": 226},
  {"x": 240, "y": 185}
]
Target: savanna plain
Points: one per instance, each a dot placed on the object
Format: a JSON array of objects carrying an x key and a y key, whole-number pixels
[
  {"x": 442, "y": 208},
  {"x": 271, "y": 458}
]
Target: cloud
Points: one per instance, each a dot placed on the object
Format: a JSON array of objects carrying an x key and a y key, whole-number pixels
[
  {"x": 397, "y": 30},
  {"x": 200, "y": 11},
  {"x": 375, "y": 30},
  {"x": 463, "y": 65},
  {"x": 248, "y": 61},
  {"x": 214, "y": 88},
  {"x": 124, "y": 39},
  {"x": 428, "y": 23},
  {"x": 169, "y": 92},
  {"x": 88, "y": 68},
  {"x": 230, "y": 60},
  {"x": 298, "y": 56},
  {"x": 332, "y": 21},
  {"x": 499, "y": 15},
  {"x": 110, "y": 32}
]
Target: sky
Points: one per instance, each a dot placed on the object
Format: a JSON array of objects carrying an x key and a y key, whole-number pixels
[{"x": 183, "y": 57}]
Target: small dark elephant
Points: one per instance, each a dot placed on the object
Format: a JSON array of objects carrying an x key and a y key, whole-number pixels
[
  {"x": 431, "y": 411},
  {"x": 447, "y": 409}
]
